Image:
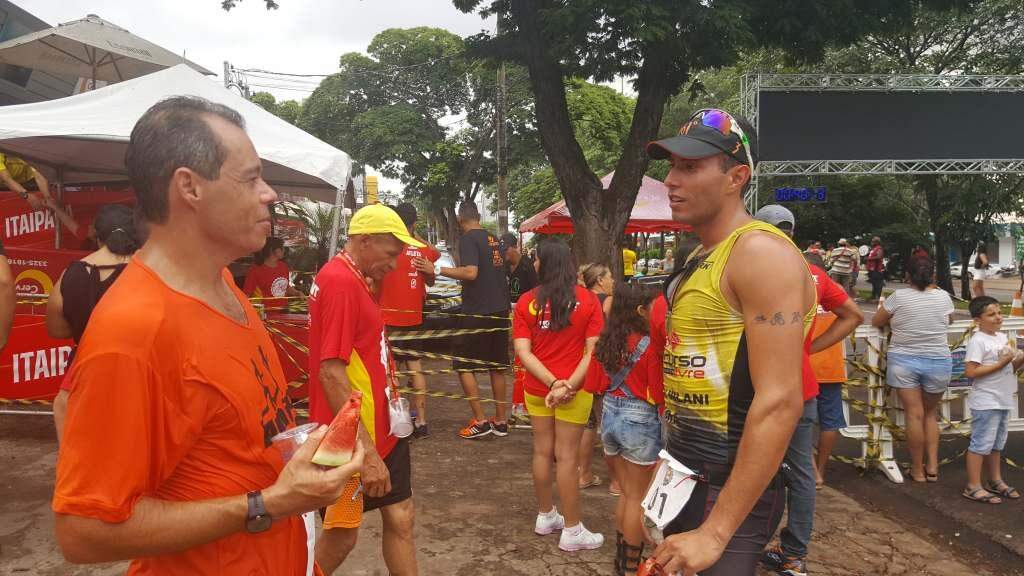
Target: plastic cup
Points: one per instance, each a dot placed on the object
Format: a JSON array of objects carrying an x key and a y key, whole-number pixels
[
  {"x": 288, "y": 442},
  {"x": 401, "y": 419}
]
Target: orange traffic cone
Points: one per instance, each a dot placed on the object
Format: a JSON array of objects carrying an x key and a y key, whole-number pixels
[{"x": 1015, "y": 308}]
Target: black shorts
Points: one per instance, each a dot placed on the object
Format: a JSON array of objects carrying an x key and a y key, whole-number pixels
[
  {"x": 491, "y": 346},
  {"x": 415, "y": 345},
  {"x": 743, "y": 552},
  {"x": 400, "y": 467}
]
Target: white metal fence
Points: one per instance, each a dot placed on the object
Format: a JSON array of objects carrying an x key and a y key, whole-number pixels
[{"x": 881, "y": 409}]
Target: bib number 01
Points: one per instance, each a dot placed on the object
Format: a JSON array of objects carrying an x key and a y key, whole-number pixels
[{"x": 669, "y": 492}]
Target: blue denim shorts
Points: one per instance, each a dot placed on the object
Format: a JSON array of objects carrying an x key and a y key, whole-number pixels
[
  {"x": 830, "y": 407},
  {"x": 930, "y": 374},
  {"x": 988, "y": 431},
  {"x": 631, "y": 428}
]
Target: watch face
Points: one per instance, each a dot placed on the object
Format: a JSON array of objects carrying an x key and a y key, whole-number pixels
[{"x": 259, "y": 523}]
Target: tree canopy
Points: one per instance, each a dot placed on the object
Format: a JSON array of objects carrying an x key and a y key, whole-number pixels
[{"x": 660, "y": 44}]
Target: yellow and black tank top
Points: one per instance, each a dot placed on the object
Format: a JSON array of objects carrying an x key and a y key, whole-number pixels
[{"x": 708, "y": 389}]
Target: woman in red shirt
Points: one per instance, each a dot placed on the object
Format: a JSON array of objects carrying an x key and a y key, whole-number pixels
[
  {"x": 629, "y": 352},
  {"x": 268, "y": 277},
  {"x": 554, "y": 329}
]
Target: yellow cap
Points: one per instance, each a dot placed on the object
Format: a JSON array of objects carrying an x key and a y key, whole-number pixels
[{"x": 379, "y": 219}]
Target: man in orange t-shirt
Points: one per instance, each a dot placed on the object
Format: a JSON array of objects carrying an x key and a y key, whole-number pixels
[
  {"x": 166, "y": 456},
  {"x": 401, "y": 297}
]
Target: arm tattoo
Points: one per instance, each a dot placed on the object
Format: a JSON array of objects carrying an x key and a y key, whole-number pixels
[{"x": 778, "y": 319}]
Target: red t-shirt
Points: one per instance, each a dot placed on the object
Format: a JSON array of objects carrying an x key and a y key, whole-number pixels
[
  {"x": 345, "y": 323},
  {"x": 268, "y": 283},
  {"x": 830, "y": 297},
  {"x": 647, "y": 378},
  {"x": 559, "y": 351},
  {"x": 876, "y": 262},
  {"x": 403, "y": 289},
  {"x": 175, "y": 401}
]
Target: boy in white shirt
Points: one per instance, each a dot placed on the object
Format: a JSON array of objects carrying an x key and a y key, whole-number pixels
[{"x": 991, "y": 364}]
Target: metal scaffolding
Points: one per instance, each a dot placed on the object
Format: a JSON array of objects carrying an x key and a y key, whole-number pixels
[{"x": 752, "y": 85}]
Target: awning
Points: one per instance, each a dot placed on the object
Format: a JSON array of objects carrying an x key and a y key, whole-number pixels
[{"x": 650, "y": 214}]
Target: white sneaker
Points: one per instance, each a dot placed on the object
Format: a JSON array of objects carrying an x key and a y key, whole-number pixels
[
  {"x": 549, "y": 523},
  {"x": 579, "y": 538}
]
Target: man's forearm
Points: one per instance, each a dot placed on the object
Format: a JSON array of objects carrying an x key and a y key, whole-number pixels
[
  {"x": 155, "y": 527},
  {"x": 464, "y": 273},
  {"x": 834, "y": 333},
  {"x": 766, "y": 434},
  {"x": 336, "y": 386}
]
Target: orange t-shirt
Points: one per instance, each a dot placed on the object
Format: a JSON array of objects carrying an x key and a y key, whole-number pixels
[
  {"x": 172, "y": 400},
  {"x": 829, "y": 365}
]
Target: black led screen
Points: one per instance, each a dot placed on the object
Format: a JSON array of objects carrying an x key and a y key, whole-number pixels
[{"x": 891, "y": 125}]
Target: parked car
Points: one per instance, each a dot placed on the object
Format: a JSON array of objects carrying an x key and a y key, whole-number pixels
[{"x": 994, "y": 269}]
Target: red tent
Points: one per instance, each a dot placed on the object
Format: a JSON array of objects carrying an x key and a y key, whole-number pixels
[{"x": 651, "y": 212}]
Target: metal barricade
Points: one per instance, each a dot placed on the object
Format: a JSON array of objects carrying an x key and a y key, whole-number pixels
[{"x": 881, "y": 409}]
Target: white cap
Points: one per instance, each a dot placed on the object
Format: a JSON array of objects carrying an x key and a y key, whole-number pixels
[{"x": 775, "y": 214}]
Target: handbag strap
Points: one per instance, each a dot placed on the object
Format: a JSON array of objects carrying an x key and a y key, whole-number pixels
[{"x": 620, "y": 377}]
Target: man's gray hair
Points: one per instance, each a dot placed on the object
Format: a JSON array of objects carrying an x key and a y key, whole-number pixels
[{"x": 174, "y": 133}]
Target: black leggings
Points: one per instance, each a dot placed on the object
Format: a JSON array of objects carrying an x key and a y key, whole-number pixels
[{"x": 743, "y": 552}]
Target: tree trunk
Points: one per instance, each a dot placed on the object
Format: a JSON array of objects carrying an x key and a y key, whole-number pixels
[
  {"x": 599, "y": 216},
  {"x": 930, "y": 185},
  {"x": 966, "y": 247}
]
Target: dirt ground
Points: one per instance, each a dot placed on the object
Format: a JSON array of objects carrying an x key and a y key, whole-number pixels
[{"x": 475, "y": 510}]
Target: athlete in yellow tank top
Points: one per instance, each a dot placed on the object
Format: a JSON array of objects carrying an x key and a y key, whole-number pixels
[
  {"x": 739, "y": 312},
  {"x": 708, "y": 388}
]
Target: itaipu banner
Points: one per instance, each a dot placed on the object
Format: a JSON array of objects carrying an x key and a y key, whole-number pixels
[{"x": 33, "y": 364}]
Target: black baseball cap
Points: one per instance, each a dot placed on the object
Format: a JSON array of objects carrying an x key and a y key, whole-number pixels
[{"x": 707, "y": 133}]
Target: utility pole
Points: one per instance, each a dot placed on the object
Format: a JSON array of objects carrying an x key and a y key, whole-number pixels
[
  {"x": 233, "y": 79},
  {"x": 501, "y": 150}
]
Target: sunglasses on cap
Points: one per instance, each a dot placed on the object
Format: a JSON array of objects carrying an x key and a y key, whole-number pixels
[{"x": 724, "y": 122}]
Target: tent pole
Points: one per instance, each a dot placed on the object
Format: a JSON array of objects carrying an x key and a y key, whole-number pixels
[
  {"x": 58, "y": 240},
  {"x": 338, "y": 207}
]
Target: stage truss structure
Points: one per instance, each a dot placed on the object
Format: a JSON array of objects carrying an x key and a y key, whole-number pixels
[{"x": 752, "y": 85}]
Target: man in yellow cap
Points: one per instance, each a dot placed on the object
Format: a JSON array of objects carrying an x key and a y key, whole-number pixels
[
  {"x": 16, "y": 173},
  {"x": 348, "y": 351}
]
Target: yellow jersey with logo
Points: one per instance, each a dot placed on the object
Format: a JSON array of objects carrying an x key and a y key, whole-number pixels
[
  {"x": 708, "y": 388},
  {"x": 18, "y": 168}
]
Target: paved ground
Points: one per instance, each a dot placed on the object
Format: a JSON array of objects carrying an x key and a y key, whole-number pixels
[{"x": 475, "y": 512}]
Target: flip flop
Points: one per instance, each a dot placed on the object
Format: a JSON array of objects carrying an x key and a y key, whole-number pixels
[
  {"x": 928, "y": 476},
  {"x": 595, "y": 480},
  {"x": 1004, "y": 490},
  {"x": 989, "y": 498}
]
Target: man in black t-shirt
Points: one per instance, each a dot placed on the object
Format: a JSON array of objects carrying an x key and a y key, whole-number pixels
[
  {"x": 522, "y": 276},
  {"x": 7, "y": 297},
  {"x": 485, "y": 296}
]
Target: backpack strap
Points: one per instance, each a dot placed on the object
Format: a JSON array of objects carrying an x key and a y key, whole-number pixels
[{"x": 620, "y": 377}]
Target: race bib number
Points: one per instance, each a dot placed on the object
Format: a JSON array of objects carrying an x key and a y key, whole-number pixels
[{"x": 669, "y": 492}]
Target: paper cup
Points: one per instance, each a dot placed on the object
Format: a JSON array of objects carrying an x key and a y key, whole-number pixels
[{"x": 288, "y": 442}]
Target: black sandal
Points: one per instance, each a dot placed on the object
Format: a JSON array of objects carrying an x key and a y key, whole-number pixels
[
  {"x": 989, "y": 498},
  {"x": 1004, "y": 490},
  {"x": 627, "y": 556}
]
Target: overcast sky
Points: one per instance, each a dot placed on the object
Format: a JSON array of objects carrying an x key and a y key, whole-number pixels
[{"x": 302, "y": 36}]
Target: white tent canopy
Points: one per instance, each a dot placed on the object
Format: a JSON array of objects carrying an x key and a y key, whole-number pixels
[{"x": 83, "y": 138}]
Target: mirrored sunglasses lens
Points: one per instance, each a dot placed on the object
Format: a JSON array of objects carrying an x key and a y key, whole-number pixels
[{"x": 718, "y": 120}]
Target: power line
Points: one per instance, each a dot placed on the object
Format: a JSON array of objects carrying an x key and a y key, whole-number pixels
[{"x": 355, "y": 73}]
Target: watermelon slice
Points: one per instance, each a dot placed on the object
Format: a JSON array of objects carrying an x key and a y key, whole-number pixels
[{"x": 339, "y": 442}]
